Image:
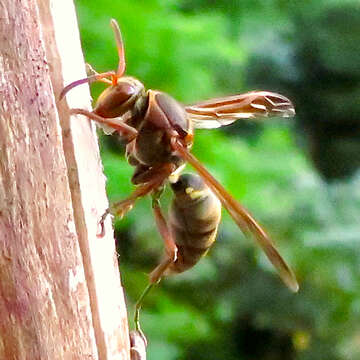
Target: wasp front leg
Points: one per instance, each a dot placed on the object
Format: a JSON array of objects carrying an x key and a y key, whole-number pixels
[
  {"x": 118, "y": 124},
  {"x": 90, "y": 71}
]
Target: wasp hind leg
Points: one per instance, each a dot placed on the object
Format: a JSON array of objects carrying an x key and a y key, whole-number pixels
[
  {"x": 169, "y": 243},
  {"x": 170, "y": 250}
]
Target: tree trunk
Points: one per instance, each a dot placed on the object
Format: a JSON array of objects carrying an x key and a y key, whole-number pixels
[{"x": 60, "y": 291}]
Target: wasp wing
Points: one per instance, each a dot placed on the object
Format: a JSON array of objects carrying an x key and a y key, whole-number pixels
[
  {"x": 242, "y": 218},
  {"x": 219, "y": 112}
]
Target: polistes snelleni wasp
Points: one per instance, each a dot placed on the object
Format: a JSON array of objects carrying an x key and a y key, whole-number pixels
[{"x": 159, "y": 134}]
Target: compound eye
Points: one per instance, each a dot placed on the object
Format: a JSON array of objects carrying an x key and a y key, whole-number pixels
[
  {"x": 124, "y": 91},
  {"x": 116, "y": 100}
]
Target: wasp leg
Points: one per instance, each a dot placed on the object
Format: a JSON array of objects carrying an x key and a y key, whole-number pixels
[
  {"x": 90, "y": 71},
  {"x": 138, "y": 306},
  {"x": 138, "y": 344},
  {"x": 128, "y": 132},
  {"x": 171, "y": 255},
  {"x": 169, "y": 243},
  {"x": 122, "y": 207}
]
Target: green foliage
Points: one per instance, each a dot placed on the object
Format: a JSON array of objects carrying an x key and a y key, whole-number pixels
[{"x": 195, "y": 50}]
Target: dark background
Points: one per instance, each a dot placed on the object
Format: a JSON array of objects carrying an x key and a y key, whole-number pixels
[{"x": 298, "y": 177}]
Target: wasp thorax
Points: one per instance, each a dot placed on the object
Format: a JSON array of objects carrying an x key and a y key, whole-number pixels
[{"x": 117, "y": 99}]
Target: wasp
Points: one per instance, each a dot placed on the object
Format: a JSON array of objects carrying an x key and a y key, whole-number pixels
[
  {"x": 159, "y": 133},
  {"x": 194, "y": 217}
]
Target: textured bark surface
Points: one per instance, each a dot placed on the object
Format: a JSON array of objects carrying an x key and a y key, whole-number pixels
[{"x": 60, "y": 291}]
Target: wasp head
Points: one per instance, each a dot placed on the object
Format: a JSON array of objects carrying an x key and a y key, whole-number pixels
[{"x": 117, "y": 99}]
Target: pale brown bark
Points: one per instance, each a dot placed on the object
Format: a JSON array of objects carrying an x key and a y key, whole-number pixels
[{"x": 60, "y": 292}]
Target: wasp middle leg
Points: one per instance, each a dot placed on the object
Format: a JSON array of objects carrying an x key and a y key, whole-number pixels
[{"x": 159, "y": 174}]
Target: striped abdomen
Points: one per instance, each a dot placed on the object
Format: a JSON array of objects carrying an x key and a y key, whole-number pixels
[{"x": 194, "y": 217}]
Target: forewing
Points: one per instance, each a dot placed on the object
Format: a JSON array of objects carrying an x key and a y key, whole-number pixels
[
  {"x": 242, "y": 218},
  {"x": 219, "y": 112}
]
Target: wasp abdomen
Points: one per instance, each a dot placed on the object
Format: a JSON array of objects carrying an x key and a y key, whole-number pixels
[{"x": 194, "y": 218}]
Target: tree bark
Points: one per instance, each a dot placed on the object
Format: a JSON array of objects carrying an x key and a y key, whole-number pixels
[{"x": 60, "y": 291}]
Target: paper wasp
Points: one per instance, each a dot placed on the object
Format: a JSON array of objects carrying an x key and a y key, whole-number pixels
[{"x": 159, "y": 135}]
